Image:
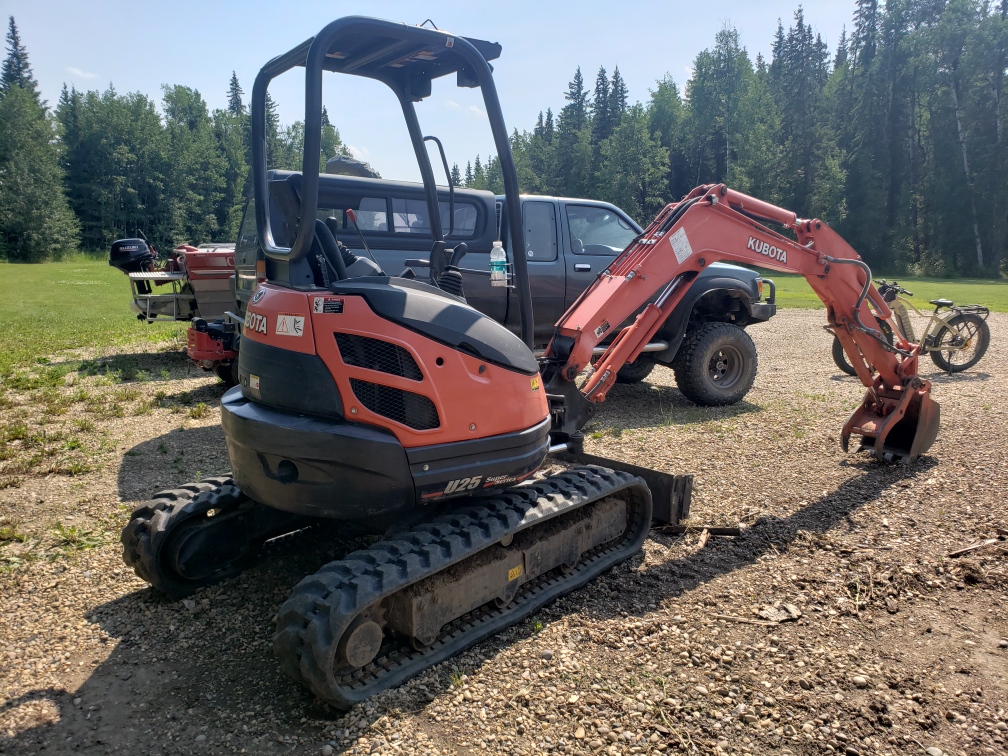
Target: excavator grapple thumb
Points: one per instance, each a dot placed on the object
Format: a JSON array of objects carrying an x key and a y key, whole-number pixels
[{"x": 895, "y": 428}]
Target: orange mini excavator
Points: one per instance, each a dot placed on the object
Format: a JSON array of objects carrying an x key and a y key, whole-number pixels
[{"x": 386, "y": 403}]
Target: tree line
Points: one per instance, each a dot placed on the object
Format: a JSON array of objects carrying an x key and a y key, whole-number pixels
[
  {"x": 101, "y": 165},
  {"x": 895, "y": 137}
]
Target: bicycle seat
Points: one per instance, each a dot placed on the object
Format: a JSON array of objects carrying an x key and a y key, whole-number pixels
[{"x": 941, "y": 302}]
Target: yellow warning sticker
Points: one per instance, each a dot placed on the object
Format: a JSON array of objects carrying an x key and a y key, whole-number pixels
[
  {"x": 514, "y": 573},
  {"x": 535, "y": 383}
]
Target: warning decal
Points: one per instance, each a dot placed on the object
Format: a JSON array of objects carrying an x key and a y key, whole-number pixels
[
  {"x": 327, "y": 305},
  {"x": 681, "y": 246},
  {"x": 289, "y": 325}
]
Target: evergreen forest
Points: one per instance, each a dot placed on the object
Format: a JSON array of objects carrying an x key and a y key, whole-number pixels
[{"x": 895, "y": 136}]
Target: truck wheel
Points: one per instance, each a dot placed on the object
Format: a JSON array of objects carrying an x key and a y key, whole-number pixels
[
  {"x": 716, "y": 365},
  {"x": 636, "y": 371},
  {"x": 228, "y": 372}
]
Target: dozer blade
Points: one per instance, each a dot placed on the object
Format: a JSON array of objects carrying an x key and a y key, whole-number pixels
[
  {"x": 904, "y": 432},
  {"x": 671, "y": 494}
]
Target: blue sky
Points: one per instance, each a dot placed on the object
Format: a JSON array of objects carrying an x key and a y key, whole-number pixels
[{"x": 138, "y": 46}]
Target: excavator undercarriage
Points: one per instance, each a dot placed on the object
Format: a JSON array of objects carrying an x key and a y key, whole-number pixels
[
  {"x": 388, "y": 406},
  {"x": 380, "y": 615}
]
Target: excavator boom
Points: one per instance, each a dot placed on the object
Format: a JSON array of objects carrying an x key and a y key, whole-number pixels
[{"x": 897, "y": 418}]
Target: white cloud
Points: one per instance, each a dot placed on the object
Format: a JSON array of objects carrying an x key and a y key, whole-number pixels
[
  {"x": 477, "y": 110},
  {"x": 359, "y": 153},
  {"x": 73, "y": 71},
  {"x": 452, "y": 105}
]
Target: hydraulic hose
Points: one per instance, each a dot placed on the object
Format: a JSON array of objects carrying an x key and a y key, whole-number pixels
[{"x": 874, "y": 333}]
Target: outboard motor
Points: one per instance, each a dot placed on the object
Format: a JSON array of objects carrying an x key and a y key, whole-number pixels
[{"x": 131, "y": 255}]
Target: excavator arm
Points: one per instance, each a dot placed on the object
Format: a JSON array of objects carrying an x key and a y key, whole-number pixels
[{"x": 897, "y": 418}]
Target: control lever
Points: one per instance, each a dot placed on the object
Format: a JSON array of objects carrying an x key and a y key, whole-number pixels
[{"x": 353, "y": 219}]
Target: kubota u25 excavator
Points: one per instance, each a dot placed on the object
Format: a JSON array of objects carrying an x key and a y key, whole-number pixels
[{"x": 387, "y": 403}]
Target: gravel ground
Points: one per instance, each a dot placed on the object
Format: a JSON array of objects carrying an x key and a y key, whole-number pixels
[{"x": 835, "y": 623}]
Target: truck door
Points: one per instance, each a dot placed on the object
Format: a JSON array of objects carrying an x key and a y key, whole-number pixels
[
  {"x": 545, "y": 268},
  {"x": 595, "y": 234}
]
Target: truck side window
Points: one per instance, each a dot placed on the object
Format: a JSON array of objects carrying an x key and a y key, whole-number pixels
[
  {"x": 465, "y": 218},
  {"x": 248, "y": 234},
  {"x": 598, "y": 230},
  {"x": 540, "y": 231},
  {"x": 409, "y": 216},
  {"x": 372, "y": 214}
]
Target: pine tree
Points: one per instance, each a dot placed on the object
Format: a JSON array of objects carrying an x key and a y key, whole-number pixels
[
  {"x": 574, "y": 150},
  {"x": 576, "y": 111},
  {"x": 478, "y": 180},
  {"x": 665, "y": 114},
  {"x": 456, "y": 175},
  {"x": 468, "y": 174},
  {"x": 235, "y": 92},
  {"x": 16, "y": 71},
  {"x": 601, "y": 122},
  {"x": 274, "y": 148},
  {"x": 840, "y": 59},
  {"x": 36, "y": 223},
  {"x": 634, "y": 166},
  {"x": 198, "y": 171},
  {"x": 228, "y": 129},
  {"x": 617, "y": 98}
]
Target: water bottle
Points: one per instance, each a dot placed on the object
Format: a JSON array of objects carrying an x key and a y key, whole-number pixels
[{"x": 498, "y": 265}]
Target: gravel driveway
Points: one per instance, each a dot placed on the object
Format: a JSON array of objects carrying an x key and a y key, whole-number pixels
[{"x": 836, "y": 622}]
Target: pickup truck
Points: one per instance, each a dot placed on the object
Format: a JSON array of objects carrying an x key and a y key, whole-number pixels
[{"x": 568, "y": 242}]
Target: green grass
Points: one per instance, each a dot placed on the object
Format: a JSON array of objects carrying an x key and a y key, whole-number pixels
[
  {"x": 85, "y": 303},
  {"x": 50, "y": 307},
  {"x": 794, "y": 291}
]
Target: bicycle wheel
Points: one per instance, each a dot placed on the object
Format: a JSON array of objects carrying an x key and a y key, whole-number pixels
[
  {"x": 840, "y": 356},
  {"x": 961, "y": 343}
]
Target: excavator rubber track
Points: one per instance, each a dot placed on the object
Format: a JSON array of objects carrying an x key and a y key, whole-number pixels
[
  {"x": 199, "y": 534},
  {"x": 349, "y": 608}
]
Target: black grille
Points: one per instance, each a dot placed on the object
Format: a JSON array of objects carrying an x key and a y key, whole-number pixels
[
  {"x": 375, "y": 354},
  {"x": 414, "y": 410}
]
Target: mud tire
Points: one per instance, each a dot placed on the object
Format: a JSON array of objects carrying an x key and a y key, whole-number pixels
[
  {"x": 716, "y": 365},
  {"x": 636, "y": 371}
]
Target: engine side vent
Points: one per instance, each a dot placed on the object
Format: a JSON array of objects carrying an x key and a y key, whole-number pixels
[
  {"x": 375, "y": 354},
  {"x": 413, "y": 410}
]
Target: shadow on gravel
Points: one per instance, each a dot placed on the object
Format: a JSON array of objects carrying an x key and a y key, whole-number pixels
[
  {"x": 182, "y": 670},
  {"x": 179, "y": 456},
  {"x": 937, "y": 377},
  {"x": 767, "y": 535},
  {"x": 646, "y": 405}
]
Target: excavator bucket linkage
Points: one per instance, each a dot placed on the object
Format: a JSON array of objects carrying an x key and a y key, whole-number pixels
[{"x": 895, "y": 430}]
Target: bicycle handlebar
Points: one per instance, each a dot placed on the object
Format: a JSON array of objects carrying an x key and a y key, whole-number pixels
[{"x": 882, "y": 284}]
